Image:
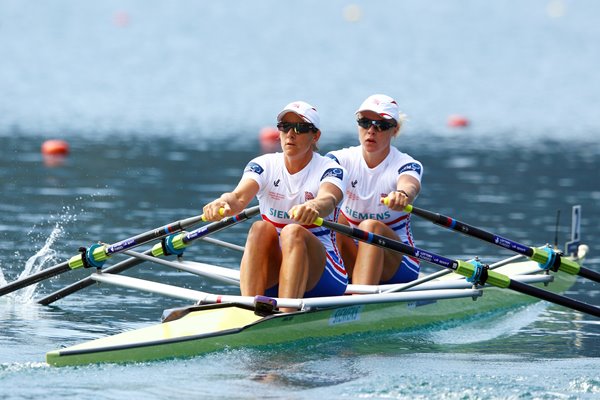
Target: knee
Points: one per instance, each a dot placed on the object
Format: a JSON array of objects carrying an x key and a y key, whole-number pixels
[
  {"x": 260, "y": 230},
  {"x": 292, "y": 233},
  {"x": 372, "y": 225}
]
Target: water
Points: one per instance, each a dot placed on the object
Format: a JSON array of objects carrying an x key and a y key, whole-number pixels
[{"x": 162, "y": 103}]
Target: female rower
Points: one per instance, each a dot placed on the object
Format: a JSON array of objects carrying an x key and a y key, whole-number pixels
[
  {"x": 286, "y": 255},
  {"x": 377, "y": 170}
]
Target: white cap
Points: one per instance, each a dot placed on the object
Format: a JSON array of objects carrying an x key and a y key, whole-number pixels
[
  {"x": 304, "y": 110},
  {"x": 381, "y": 104}
]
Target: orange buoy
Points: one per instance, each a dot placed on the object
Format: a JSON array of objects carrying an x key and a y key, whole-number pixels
[
  {"x": 457, "y": 121},
  {"x": 269, "y": 138},
  {"x": 55, "y": 147}
]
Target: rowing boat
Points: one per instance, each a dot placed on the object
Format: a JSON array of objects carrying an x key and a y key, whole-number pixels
[
  {"x": 230, "y": 322},
  {"x": 215, "y": 322}
]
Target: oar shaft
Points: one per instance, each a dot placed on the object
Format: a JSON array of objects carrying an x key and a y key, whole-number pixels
[
  {"x": 589, "y": 274},
  {"x": 124, "y": 265},
  {"x": 460, "y": 267},
  {"x": 554, "y": 298},
  {"x": 35, "y": 278},
  {"x": 102, "y": 252},
  {"x": 538, "y": 255},
  {"x": 184, "y": 239},
  {"x": 157, "y": 233},
  {"x": 469, "y": 230},
  {"x": 388, "y": 243},
  {"x": 86, "y": 282}
]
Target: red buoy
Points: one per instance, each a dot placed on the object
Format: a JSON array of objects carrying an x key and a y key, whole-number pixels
[
  {"x": 457, "y": 121},
  {"x": 55, "y": 147},
  {"x": 269, "y": 139}
]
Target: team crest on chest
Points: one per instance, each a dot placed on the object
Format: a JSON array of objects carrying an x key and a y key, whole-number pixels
[{"x": 308, "y": 196}]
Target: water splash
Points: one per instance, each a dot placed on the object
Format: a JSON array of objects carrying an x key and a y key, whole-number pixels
[
  {"x": 36, "y": 263},
  {"x": 43, "y": 256},
  {"x": 2, "y": 278}
]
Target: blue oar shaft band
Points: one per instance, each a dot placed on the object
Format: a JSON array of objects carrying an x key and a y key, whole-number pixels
[{"x": 450, "y": 222}]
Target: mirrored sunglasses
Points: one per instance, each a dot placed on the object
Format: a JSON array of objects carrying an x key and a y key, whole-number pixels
[
  {"x": 380, "y": 124},
  {"x": 298, "y": 127}
]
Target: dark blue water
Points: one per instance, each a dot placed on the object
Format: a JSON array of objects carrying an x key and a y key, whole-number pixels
[{"x": 162, "y": 104}]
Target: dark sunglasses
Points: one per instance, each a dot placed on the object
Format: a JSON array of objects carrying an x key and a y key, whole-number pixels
[
  {"x": 298, "y": 127},
  {"x": 380, "y": 124}
]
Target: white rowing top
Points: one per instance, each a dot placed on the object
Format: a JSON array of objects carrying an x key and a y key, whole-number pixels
[{"x": 367, "y": 186}]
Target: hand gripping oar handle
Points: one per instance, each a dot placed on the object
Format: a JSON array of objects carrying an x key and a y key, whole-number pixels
[
  {"x": 176, "y": 244},
  {"x": 471, "y": 270},
  {"x": 96, "y": 255},
  {"x": 129, "y": 263},
  {"x": 543, "y": 256}
]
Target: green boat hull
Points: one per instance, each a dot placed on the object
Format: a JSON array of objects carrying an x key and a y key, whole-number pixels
[{"x": 212, "y": 328}]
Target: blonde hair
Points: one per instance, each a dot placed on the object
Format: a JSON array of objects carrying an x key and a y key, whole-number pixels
[{"x": 401, "y": 119}]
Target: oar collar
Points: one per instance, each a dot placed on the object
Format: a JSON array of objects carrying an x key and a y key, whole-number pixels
[{"x": 87, "y": 257}]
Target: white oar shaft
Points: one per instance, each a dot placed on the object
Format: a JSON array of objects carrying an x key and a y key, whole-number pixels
[
  {"x": 183, "y": 293},
  {"x": 408, "y": 285},
  {"x": 221, "y": 274},
  {"x": 300, "y": 304},
  {"x": 231, "y": 276},
  {"x": 223, "y": 244},
  {"x": 443, "y": 284},
  {"x": 148, "y": 286},
  {"x": 453, "y": 289}
]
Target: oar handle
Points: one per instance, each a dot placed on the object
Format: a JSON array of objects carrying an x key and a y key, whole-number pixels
[{"x": 221, "y": 213}]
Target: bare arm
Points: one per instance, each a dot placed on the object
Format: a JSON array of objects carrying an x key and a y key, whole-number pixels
[
  {"x": 232, "y": 202},
  {"x": 407, "y": 189},
  {"x": 327, "y": 199}
]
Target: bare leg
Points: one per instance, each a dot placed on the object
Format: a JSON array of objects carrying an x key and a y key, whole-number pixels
[
  {"x": 374, "y": 264},
  {"x": 303, "y": 262},
  {"x": 259, "y": 269}
]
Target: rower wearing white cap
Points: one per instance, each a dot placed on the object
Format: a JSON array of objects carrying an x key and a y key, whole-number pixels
[
  {"x": 285, "y": 254},
  {"x": 376, "y": 170}
]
